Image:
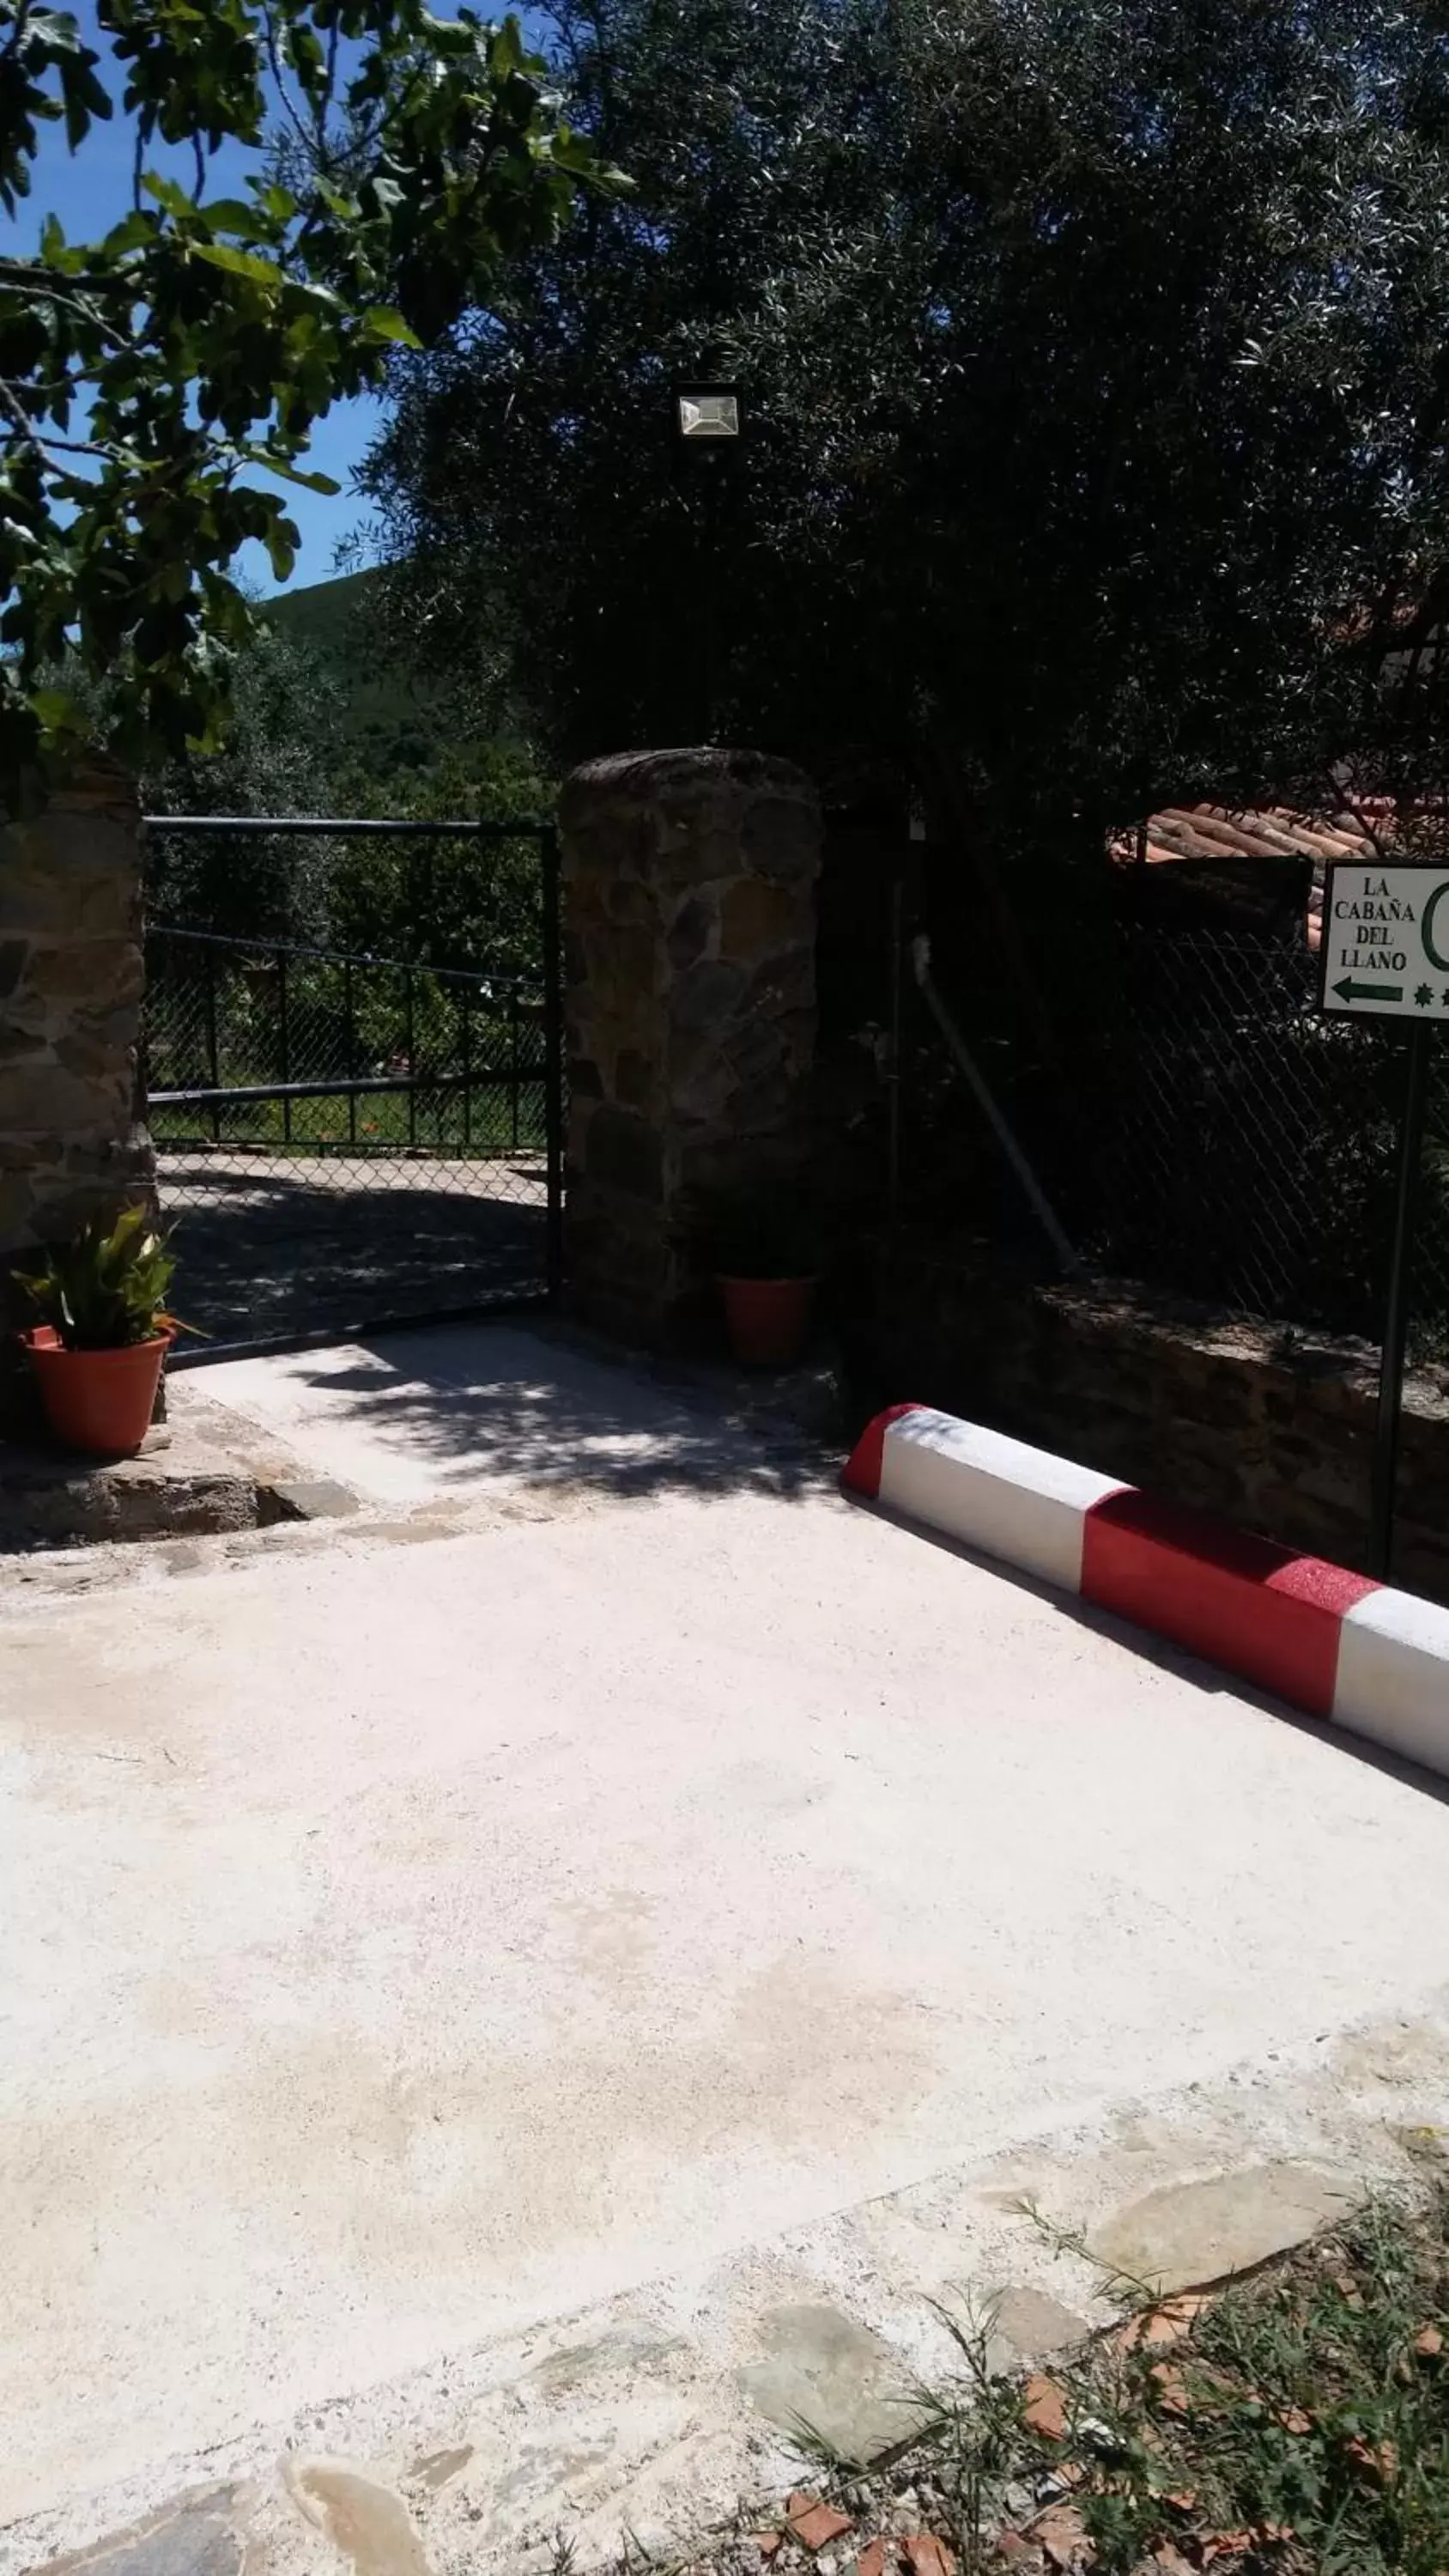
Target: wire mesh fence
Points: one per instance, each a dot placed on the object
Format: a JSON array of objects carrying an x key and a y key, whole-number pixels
[
  {"x": 344, "y": 1139},
  {"x": 1205, "y": 1130}
]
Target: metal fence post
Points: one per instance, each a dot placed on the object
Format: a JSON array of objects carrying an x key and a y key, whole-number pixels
[
  {"x": 213, "y": 1056},
  {"x": 285, "y": 1037},
  {"x": 1396, "y": 1311},
  {"x": 467, "y": 1067},
  {"x": 350, "y": 1041},
  {"x": 513, "y": 1066},
  {"x": 893, "y": 1106},
  {"x": 409, "y": 1038},
  {"x": 553, "y": 1053}
]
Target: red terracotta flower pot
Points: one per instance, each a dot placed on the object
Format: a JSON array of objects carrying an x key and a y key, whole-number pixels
[
  {"x": 100, "y": 1402},
  {"x": 767, "y": 1319}
]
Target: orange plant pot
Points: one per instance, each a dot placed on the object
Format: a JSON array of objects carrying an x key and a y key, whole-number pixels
[
  {"x": 100, "y": 1402},
  {"x": 767, "y": 1319}
]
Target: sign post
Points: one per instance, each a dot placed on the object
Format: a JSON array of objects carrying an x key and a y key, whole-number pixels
[
  {"x": 1396, "y": 1318},
  {"x": 1385, "y": 955}
]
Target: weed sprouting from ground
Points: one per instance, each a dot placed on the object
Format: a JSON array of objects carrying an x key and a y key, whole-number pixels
[
  {"x": 1298, "y": 2421},
  {"x": 1293, "y": 2423}
]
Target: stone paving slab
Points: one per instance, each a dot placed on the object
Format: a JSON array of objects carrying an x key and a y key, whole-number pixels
[
  {"x": 1191, "y": 2233},
  {"x": 832, "y": 2379},
  {"x": 178, "y": 1486}
]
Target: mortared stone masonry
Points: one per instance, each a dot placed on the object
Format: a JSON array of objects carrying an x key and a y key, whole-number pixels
[{"x": 689, "y": 949}]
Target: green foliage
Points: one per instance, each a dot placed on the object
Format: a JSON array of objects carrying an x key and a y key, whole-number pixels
[
  {"x": 290, "y": 750},
  {"x": 393, "y": 721},
  {"x": 146, "y": 378},
  {"x": 1097, "y": 389},
  {"x": 1301, "y": 2421},
  {"x": 1294, "y": 2424},
  {"x": 446, "y": 903},
  {"x": 106, "y": 1288},
  {"x": 276, "y": 759}
]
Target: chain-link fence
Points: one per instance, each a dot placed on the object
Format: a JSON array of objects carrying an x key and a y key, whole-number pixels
[
  {"x": 345, "y": 1139},
  {"x": 1200, "y": 1127}
]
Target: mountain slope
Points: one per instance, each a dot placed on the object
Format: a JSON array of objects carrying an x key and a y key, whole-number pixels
[{"x": 391, "y": 720}]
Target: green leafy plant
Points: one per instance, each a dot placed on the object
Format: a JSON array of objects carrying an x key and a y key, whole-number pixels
[
  {"x": 156, "y": 382},
  {"x": 106, "y": 1288},
  {"x": 760, "y": 1230}
]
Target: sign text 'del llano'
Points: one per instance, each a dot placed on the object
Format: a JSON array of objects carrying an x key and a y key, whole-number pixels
[{"x": 1385, "y": 948}]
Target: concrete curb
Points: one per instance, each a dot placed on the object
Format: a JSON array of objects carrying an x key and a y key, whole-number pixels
[{"x": 1335, "y": 1644}]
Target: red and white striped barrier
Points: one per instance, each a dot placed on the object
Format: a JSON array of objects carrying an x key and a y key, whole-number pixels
[{"x": 1336, "y": 1644}]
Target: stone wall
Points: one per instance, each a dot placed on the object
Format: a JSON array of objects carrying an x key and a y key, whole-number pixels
[
  {"x": 71, "y": 979},
  {"x": 1268, "y": 1426},
  {"x": 688, "y": 880}
]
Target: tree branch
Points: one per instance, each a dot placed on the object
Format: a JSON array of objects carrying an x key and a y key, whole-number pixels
[
  {"x": 17, "y": 32},
  {"x": 289, "y": 107},
  {"x": 324, "y": 108},
  {"x": 28, "y": 278},
  {"x": 26, "y": 427},
  {"x": 47, "y": 449},
  {"x": 32, "y": 275}
]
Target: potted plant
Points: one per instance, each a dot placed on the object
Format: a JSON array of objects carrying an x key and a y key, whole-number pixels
[
  {"x": 98, "y": 1351},
  {"x": 761, "y": 1244}
]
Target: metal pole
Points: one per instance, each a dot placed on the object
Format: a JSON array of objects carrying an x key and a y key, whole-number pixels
[
  {"x": 390, "y": 827},
  {"x": 1396, "y": 1314},
  {"x": 553, "y": 1057},
  {"x": 467, "y": 1067},
  {"x": 284, "y": 1031},
  {"x": 412, "y": 1062},
  {"x": 709, "y": 631},
  {"x": 893, "y": 1147},
  {"x": 513, "y": 1059},
  {"x": 1032, "y": 1190},
  {"x": 212, "y": 1052},
  {"x": 347, "y": 1005}
]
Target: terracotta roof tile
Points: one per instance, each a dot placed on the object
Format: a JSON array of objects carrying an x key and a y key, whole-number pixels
[{"x": 1271, "y": 832}]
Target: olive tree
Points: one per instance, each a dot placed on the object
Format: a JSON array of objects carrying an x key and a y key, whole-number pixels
[{"x": 1097, "y": 381}]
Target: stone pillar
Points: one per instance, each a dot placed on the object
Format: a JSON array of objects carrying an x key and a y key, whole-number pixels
[
  {"x": 689, "y": 948},
  {"x": 71, "y": 978}
]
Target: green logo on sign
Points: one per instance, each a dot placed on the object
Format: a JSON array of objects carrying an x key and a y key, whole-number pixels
[{"x": 1435, "y": 955}]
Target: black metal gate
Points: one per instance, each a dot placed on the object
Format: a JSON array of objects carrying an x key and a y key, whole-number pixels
[{"x": 349, "y": 1140}]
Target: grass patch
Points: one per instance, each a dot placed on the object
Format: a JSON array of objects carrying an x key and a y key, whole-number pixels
[
  {"x": 375, "y": 1123},
  {"x": 1294, "y": 2424},
  {"x": 1297, "y": 2422}
]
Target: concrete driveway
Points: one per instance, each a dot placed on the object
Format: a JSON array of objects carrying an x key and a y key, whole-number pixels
[{"x": 671, "y": 1886}]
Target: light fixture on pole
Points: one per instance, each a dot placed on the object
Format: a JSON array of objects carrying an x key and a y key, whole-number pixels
[
  {"x": 707, "y": 413},
  {"x": 708, "y": 433}
]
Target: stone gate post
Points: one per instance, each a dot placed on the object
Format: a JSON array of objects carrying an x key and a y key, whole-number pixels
[
  {"x": 72, "y": 1144},
  {"x": 689, "y": 961}
]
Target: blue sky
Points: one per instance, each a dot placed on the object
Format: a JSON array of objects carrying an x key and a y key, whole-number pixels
[{"x": 92, "y": 190}]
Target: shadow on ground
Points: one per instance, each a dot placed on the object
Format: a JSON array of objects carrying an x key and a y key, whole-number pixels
[
  {"x": 482, "y": 1404},
  {"x": 265, "y": 1252}
]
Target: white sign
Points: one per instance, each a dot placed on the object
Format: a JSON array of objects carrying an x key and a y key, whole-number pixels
[{"x": 1385, "y": 945}]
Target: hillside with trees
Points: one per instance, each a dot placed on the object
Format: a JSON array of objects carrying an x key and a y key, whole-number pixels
[{"x": 390, "y": 721}]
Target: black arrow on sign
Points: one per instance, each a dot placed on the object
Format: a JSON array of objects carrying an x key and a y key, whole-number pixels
[{"x": 1349, "y": 991}]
